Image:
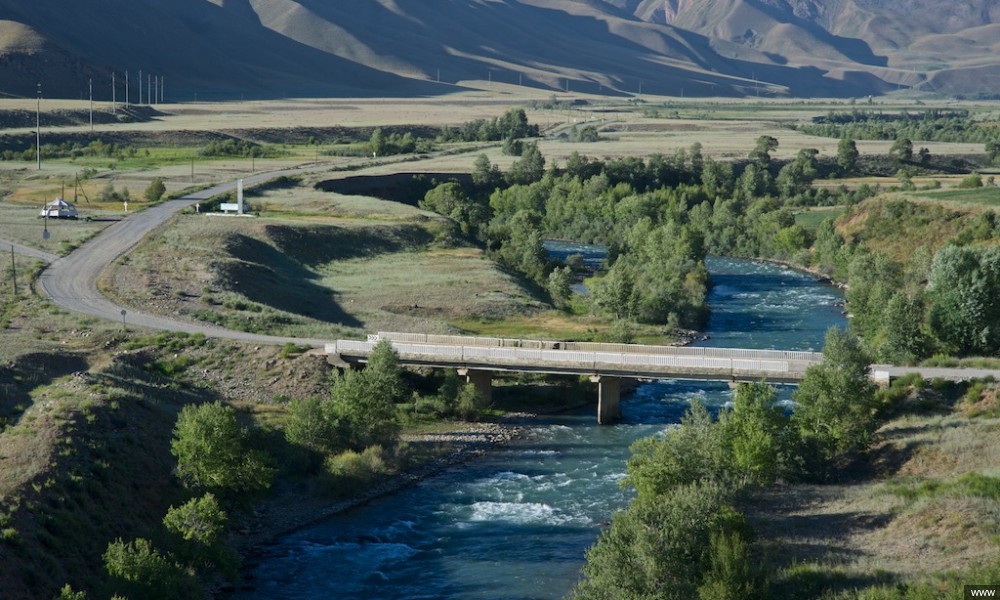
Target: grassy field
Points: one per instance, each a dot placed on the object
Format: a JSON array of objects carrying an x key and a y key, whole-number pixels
[
  {"x": 811, "y": 218},
  {"x": 318, "y": 263},
  {"x": 919, "y": 507},
  {"x": 986, "y": 196}
]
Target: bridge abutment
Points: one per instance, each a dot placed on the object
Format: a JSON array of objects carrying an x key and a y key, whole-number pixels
[
  {"x": 481, "y": 379},
  {"x": 608, "y": 398}
]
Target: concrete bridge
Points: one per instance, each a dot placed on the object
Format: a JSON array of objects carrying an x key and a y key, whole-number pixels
[{"x": 476, "y": 358}]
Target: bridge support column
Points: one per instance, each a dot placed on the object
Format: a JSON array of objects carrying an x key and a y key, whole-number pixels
[
  {"x": 608, "y": 399},
  {"x": 482, "y": 380}
]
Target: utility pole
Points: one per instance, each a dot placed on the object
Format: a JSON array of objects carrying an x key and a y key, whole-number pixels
[
  {"x": 13, "y": 269},
  {"x": 149, "y": 88},
  {"x": 163, "y": 86},
  {"x": 140, "y": 87},
  {"x": 126, "y": 88},
  {"x": 38, "y": 127},
  {"x": 114, "y": 94},
  {"x": 156, "y": 90},
  {"x": 90, "y": 85}
]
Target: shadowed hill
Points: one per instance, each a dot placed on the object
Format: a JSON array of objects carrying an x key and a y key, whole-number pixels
[{"x": 275, "y": 48}]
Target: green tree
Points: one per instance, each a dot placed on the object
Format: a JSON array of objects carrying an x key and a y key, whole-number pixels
[
  {"x": 963, "y": 290},
  {"x": 529, "y": 168},
  {"x": 694, "y": 451},
  {"x": 212, "y": 453},
  {"x": 791, "y": 240},
  {"x": 732, "y": 573},
  {"x": 835, "y": 403},
  {"x": 717, "y": 177},
  {"x": 308, "y": 425},
  {"x": 363, "y": 404},
  {"x": 903, "y": 341},
  {"x": 141, "y": 571},
  {"x": 561, "y": 285},
  {"x": 847, "y": 155},
  {"x": 378, "y": 143},
  {"x": 200, "y": 524},
  {"x": 761, "y": 153},
  {"x": 659, "y": 548},
  {"x": 758, "y": 436},
  {"x": 199, "y": 520},
  {"x": 615, "y": 293},
  {"x": 155, "y": 190},
  {"x": 796, "y": 176},
  {"x": 902, "y": 150},
  {"x": 67, "y": 593},
  {"x": 485, "y": 175},
  {"x": 993, "y": 150},
  {"x": 924, "y": 156}
]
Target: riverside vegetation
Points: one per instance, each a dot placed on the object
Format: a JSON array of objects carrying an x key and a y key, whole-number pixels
[{"x": 659, "y": 217}]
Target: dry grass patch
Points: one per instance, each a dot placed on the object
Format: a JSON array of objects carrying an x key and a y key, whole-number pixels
[
  {"x": 938, "y": 509},
  {"x": 21, "y": 224}
]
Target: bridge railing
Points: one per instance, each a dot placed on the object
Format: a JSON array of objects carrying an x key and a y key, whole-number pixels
[
  {"x": 493, "y": 342},
  {"x": 595, "y": 362}
]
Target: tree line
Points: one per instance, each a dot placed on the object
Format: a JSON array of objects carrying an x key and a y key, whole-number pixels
[
  {"x": 930, "y": 125},
  {"x": 683, "y": 536},
  {"x": 659, "y": 218}
]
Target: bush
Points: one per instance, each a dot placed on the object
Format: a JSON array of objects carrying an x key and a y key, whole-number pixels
[
  {"x": 660, "y": 546},
  {"x": 309, "y": 425},
  {"x": 688, "y": 454},
  {"x": 732, "y": 573},
  {"x": 200, "y": 524},
  {"x": 141, "y": 571},
  {"x": 971, "y": 182},
  {"x": 350, "y": 470},
  {"x": 155, "y": 190},
  {"x": 835, "y": 403},
  {"x": 212, "y": 453}
]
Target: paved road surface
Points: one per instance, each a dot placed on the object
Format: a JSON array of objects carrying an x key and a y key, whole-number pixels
[
  {"x": 71, "y": 281},
  {"x": 28, "y": 251}
]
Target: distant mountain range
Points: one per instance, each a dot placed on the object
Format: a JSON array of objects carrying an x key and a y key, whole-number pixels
[{"x": 216, "y": 49}]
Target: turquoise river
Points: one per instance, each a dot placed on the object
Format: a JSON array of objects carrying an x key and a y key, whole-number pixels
[{"x": 516, "y": 523}]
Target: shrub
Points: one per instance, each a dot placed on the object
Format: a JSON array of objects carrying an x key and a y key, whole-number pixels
[
  {"x": 351, "y": 469},
  {"x": 200, "y": 523},
  {"x": 732, "y": 573},
  {"x": 67, "y": 593},
  {"x": 835, "y": 403},
  {"x": 155, "y": 190},
  {"x": 212, "y": 453},
  {"x": 660, "y": 546},
  {"x": 688, "y": 454},
  {"x": 971, "y": 182},
  {"x": 141, "y": 571}
]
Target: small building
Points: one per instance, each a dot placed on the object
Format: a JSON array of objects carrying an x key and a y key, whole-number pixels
[{"x": 58, "y": 209}]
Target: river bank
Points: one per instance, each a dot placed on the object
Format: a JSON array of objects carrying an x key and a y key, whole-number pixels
[
  {"x": 291, "y": 510},
  {"x": 516, "y": 523}
]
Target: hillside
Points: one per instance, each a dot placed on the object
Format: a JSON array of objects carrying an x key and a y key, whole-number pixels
[{"x": 216, "y": 49}]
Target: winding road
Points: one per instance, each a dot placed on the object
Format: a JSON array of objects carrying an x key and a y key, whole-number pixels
[{"x": 71, "y": 281}]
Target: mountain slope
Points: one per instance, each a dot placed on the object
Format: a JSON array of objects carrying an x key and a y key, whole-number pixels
[{"x": 274, "y": 48}]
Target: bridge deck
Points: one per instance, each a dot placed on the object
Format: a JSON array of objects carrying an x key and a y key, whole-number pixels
[{"x": 577, "y": 358}]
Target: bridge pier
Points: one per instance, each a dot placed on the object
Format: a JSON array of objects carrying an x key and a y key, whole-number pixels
[
  {"x": 608, "y": 398},
  {"x": 481, "y": 379}
]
